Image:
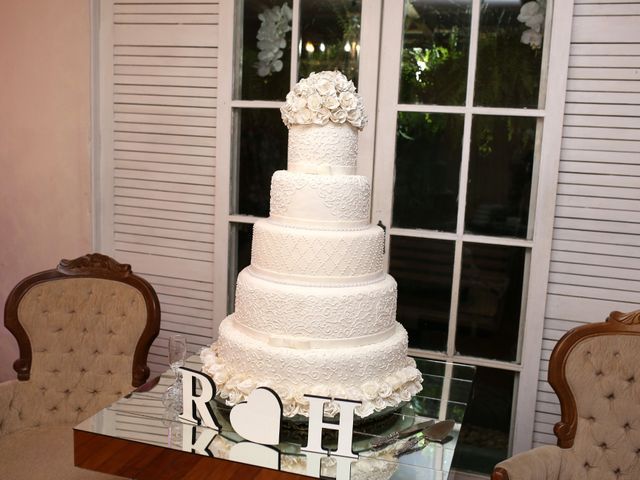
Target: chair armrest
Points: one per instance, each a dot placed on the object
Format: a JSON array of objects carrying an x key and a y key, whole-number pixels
[
  {"x": 7, "y": 392},
  {"x": 542, "y": 463}
]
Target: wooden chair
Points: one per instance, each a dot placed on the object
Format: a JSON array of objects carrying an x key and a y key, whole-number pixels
[
  {"x": 84, "y": 330},
  {"x": 595, "y": 371}
]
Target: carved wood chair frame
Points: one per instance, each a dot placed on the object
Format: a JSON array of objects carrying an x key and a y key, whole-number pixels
[
  {"x": 92, "y": 265},
  {"x": 617, "y": 323}
]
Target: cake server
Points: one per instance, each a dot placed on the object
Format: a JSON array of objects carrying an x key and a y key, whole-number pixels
[{"x": 381, "y": 442}]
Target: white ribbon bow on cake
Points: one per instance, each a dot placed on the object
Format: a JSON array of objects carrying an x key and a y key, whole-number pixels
[{"x": 320, "y": 169}]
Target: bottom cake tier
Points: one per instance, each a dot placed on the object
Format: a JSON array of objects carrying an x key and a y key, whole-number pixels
[{"x": 380, "y": 375}]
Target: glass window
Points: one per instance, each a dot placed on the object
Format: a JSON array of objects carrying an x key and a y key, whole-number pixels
[
  {"x": 509, "y": 54},
  {"x": 262, "y": 149},
  {"x": 490, "y": 299},
  {"x": 435, "y": 52},
  {"x": 329, "y": 37},
  {"x": 463, "y": 175},
  {"x": 484, "y": 437},
  {"x": 500, "y": 172},
  {"x": 423, "y": 269},
  {"x": 241, "y": 235},
  {"x": 264, "y": 59},
  {"x": 427, "y": 170}
]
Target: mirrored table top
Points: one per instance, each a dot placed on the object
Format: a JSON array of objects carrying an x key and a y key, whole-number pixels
[{"x": 143, "y": 417}]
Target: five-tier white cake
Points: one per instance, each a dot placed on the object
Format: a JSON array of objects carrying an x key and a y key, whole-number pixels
[{"x": 315, "y": 312}]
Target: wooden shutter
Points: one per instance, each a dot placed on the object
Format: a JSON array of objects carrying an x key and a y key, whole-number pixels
[
  {"x": 595, "y": 259},
  {"x": 158, "y": 89}
]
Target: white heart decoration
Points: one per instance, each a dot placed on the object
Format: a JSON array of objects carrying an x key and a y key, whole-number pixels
[{"x": 258, "y": 419}]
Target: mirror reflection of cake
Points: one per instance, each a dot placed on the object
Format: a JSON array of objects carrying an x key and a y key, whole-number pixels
[
  {"x": 315, "y": 311},
  {"x": 380, "y": 465}
]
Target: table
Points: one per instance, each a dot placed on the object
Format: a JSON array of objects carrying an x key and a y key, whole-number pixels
[{"x": 138, "y": 437}]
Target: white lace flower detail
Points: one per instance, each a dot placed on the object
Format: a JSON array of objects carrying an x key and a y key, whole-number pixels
[
  {"x": 323, "y": 97},
  {"x": 275, "y": 23}
]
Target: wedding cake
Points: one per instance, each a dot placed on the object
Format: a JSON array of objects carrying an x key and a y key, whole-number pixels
[{"x": 315, "y": 312}]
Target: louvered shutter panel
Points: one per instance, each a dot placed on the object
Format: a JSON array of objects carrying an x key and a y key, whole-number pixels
[
  {"x": 595, "y": 259},
  {"x": 158, "y": 75}
]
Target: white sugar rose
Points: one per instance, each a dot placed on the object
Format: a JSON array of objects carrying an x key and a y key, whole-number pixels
[
  {"x": 220, "y": 378},
  {"x": 322, "y": 117},
  {"x": 298, "y": 103},
  {"x": 314, "y": 102},
  {"x": 303, "y": 88},
  {"x": 303, "y": 117},
  {"x": 290, "y": 409},
  {"x": 324, "y": 86},
  {"x": 348, "y": 100},
  {"x": 338, "y": 116},
  {"x": 234, "y": 397},
  {"x": 331, "y": 409},
  {"x": 379, "y": 404},
  {"x": 331, "y": 102},
  {"x": 384, "y": 390},
  {"x": 344, "y": 85},
  {"x": 370, "y": 390}
]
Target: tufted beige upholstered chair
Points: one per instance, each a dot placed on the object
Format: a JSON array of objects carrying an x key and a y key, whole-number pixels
[
  {"x": 595, "y": 371},
  {"x": 84, "y": 330}
]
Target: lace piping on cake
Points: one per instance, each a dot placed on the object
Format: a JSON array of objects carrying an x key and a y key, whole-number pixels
[
  {"x": 375, "y": 396},
  {"x": 307, "y": 343}
]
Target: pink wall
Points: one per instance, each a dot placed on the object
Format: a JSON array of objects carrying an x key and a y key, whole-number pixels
[{"x": 45, "y": 182}]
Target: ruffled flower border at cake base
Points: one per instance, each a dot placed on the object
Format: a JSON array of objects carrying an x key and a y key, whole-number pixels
[{"x": 375, "y": 396}]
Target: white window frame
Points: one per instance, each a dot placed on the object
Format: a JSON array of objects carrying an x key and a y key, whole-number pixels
[{"x": 543, "y": 192}]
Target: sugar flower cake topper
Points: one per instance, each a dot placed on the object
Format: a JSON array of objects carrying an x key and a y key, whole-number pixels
[{"x": 322, "y": 98}]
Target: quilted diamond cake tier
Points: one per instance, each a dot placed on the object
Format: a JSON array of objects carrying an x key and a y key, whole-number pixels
[{"x": 299, "y": 256}]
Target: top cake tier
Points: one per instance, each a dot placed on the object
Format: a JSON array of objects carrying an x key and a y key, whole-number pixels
[
  {"x": 323, "y": 113},
  {"x": 330, "y": 150}
]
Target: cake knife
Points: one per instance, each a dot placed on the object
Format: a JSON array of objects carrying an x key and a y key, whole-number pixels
[{"x": 382, "y": 442}]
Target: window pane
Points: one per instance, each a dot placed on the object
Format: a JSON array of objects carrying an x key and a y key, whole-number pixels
[
  {"x": 261, "y": 150},
  {"x": 490, "y": 301},
  {"x": 509, "y": 54},
  {"x": 423, "y": 269},
  {"x": 264, "y": 63},
  {"x": 500, "y": 168},
  {"x": 240, "y": 237},
  {"x": 435, "y": 52},
  {"x": 427, "y": 170},
  {"x": 484, "y": 437},
  {"x": 329, "y": 37}
]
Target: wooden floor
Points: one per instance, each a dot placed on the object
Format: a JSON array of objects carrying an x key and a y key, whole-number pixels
[{"x": 148, "y": 462}]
